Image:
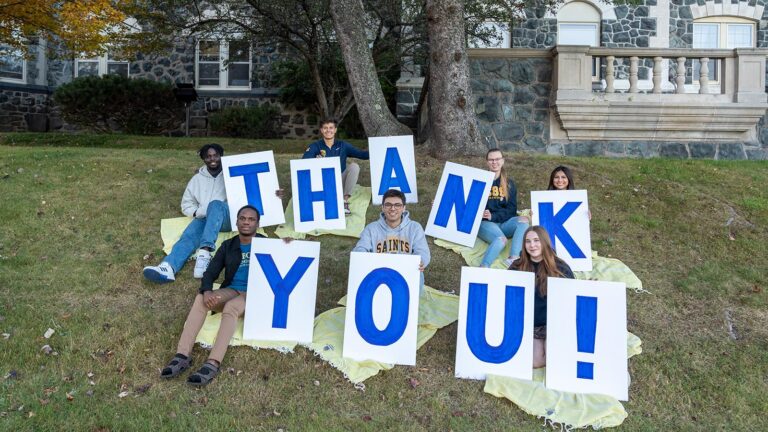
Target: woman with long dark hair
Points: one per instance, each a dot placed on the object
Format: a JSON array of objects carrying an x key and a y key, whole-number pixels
[
  {"x": 561, "y": 179},
  {"x": 500, "y": 220},
  {"x": 538, "y": 257}
]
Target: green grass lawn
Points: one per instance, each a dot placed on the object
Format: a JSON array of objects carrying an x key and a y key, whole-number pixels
[{"x": 81, "y": 212}]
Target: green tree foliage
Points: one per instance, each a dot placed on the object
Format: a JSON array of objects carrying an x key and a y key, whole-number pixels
[{"x": 114, "y": 103}]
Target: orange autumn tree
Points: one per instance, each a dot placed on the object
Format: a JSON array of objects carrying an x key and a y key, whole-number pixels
[{"x": 83, "y": 26}]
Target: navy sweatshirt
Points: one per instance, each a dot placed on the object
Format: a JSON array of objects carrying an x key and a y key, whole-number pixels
[{"x": 502, "y": 209}]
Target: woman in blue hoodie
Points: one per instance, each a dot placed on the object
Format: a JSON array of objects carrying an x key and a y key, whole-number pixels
[{"x": 500, "y": 220}]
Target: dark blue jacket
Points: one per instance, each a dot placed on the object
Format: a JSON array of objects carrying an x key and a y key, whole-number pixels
[
  {"x": 342, "y": 149},
  {"x": 502, "y": 209},
  {"x": 227, "y": 258}
]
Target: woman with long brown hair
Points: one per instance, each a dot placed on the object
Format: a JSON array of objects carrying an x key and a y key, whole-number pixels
[{"x": 538, "y": 257}]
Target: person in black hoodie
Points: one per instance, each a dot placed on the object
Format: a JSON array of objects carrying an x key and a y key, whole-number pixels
[
  {"x": 234, "y": 258},
  {"x": 500, "y": 220},
  {"x": 538, "y": 257}
]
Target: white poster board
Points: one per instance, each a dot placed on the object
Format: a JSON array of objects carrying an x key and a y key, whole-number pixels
[
  {"x": 393, "y": 166},
  {"x": 282, "y": 287},
  {"x": 495, "y": 330},
  {"x": 252, "y": 179},
  {"x": 382, "y": 308},
  {"x": 587, "y": 337},
  {"x": 459, "y": 204},
  {"x": 565, "y": 217},
  {"x": 317, "y": 194}
]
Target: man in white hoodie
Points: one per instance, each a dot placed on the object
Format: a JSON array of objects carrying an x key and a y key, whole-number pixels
[
  {"x": 395, "y": 232},
  {"x": 205, "y": 199}
]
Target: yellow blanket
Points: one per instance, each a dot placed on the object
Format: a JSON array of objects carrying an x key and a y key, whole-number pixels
[
  {"x": 171, "y": 230},
  {"x": 436, "y": 310},
  {"x": 358, "y": 204},
  {"x": 572, "y": 410}
]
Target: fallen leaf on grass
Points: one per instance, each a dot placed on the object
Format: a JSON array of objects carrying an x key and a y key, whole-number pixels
[
  {"x": 70, "y": 397},
  {"x": 89, "y": 374},
  {"x": 49, "y": 333},
  {"x": 276, "y": 413},
  {"x": 50, "y": 390},
  {"x": 413, "y": 382},
  {"x": 44, "y": 401},
  {"x": 143, "y": 388},
  {"x": 316, "y": 383},
  {"x": 30, "y": 414},
  {"x": 756, "y": 289},
  {"x": 367, "y": 418},
  {"x": 123, "y": 394},
  {"x": 121, "y": 369},
  {"x": 6, "y": 336},
  {"x": 47, "y": 350},
  {"x": 89, "y": 393},
  {"x": 91, "y": 383},
  {"x": 458, "y": 414}
]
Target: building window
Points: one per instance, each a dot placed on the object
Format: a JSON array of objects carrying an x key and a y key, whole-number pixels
[
  {"x": 223, "y": 65},
  {"x": 721, "y": 32},
  {"x": 102, "y": 65},
  {"x": 13, "y": 66},
  {"x": 578, "y": 23}
]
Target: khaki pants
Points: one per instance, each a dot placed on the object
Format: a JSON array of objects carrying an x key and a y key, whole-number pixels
[
  {"x": 231, "y": 305},
  {"x": 349, "y": 178}
]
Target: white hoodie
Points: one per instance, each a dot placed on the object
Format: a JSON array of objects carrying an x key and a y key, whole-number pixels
[{"x": 201, "y": 190}]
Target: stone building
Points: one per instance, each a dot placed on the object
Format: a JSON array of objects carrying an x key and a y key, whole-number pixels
[{"x": 673, "y": 78}]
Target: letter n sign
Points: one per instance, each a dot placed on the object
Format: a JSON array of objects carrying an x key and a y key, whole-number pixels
[
  {"x": 565, "y": 216},
  {"x": 252, "y": 179},
  {"x": 495, "y": 331},
  {"x": 459, "y": 204},
  {"x": 393, "y": 166}
]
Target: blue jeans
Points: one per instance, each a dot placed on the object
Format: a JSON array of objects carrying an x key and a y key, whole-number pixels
[
  {"x": 496, "y": 235},
  {"x": 200, "y": 233}
]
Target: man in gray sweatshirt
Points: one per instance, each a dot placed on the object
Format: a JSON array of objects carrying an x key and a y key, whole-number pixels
[{"x": 395, "y": 232}]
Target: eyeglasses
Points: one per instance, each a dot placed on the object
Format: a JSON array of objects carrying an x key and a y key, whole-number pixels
[
  {"x": 396, "y": 206},
  {"x": 495, "y": 160}
]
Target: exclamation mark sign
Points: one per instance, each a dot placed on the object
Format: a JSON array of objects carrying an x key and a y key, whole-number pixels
[{"x": 586, "y": 328}]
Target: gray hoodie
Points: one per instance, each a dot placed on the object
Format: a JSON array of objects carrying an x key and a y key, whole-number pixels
[
  {"x": 406, "y": 238},
  {"x": 201, "y": 190}
]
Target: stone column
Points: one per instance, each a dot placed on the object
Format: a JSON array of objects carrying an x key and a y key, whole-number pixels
[
  {"x": 750, "y": 75},
  {"x": 572, "y": 72}
]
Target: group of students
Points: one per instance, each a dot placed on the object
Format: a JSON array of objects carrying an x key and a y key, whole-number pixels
[{"x": 394, "y": 232}]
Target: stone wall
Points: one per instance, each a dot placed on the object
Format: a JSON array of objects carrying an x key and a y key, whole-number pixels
[
  {"x": 24, "y": 109},
  {"x": 648, "y": 149},
  {"x": 512, "y": 101},
  {"x": 534, "y": 31}
]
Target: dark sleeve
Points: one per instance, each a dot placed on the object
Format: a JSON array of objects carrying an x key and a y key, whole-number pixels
[
  {"x": 565, "y": 269},
  {"x": 508, "y": 210},
  {"x": 355, "y": 152},
  {"x": 310, "y": 152},
  {"x": 214, "y": 268}
]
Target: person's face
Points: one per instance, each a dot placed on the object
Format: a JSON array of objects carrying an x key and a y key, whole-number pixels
[
  {"x": 328, "y": 131},
  {"x": 560, "y": 181},
  {"x": 212, "y": 159},
  {"x": 247, "y": 222},
  {"x": 495, "y": 161},
  {"x": 533, "y": 246},
  {"x": 393, "y": 208}
]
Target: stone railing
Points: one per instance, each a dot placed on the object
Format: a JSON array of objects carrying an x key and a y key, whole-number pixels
[{"x": 667, "y": 109}]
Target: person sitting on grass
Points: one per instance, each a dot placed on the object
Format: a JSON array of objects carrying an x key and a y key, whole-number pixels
[
  {"x": 562, "y": 179},
  {"x": 205, "y": 199},
  {"x": 538, "y": 257},
  {"x": 234, "y": 258},
  {"x": 500, "y": 220},
  {"x": 395, "y": 232},
  {"x": 329, "y": 146}
]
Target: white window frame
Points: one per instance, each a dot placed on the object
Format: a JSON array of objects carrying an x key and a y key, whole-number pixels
[
  {"x": 23, "y": 79},
  {"x": 223, "y": 67},
  {"x": 596, "y": 27},
  {"x": 722, "y": 22},
  {"x": 103, "y": 61}
]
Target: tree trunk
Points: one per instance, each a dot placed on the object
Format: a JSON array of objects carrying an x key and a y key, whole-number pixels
[
  {"x": 453, "y": 124},
  {"x": 377, "y": 120}
]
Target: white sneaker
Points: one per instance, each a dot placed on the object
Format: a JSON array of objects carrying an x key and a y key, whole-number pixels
[
  {"x": 508, "y": 262},
  {"x": 202, "y": 259},
  {"x": 161, "y": 274}
]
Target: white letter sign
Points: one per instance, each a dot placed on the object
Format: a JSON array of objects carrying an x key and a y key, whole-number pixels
[
  {"x": 382, "y": 308},
  {"x": 587, "y": 337},
  {"x": 495, "y": 333},
  {"x": 317, "y": 194},
  {"x": 393, "y": 166},
  {"x": 282, "y": 286},
  {"x": 565, "y": 216},
  {"x": 252, "y": 179},
  {"x": 459, "y": 204}
]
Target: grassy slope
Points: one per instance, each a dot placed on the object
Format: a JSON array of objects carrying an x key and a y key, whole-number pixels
[{"x": 77, "y": 222}]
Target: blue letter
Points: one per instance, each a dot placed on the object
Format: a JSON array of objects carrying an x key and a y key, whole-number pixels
[
  {"x": 398, "y": 320},
  {"x": 453, "y": 197},
  {"x": 250, "y": 174},
  {"x": 307, "y": 196},
  {"x": 282, "y": 287},
  {"x": 586, "y": 329},
  {"x": 397, "y": 179},
  {"x": 514, "y": 306},
  {"x": 553, "y": 223}
]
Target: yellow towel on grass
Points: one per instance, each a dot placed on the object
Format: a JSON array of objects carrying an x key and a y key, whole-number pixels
[
  {"x": 207, "y": 335},
  {"x": 603, "y": 269},
  {"x": 358, "y": 204},
  {"x": 437, "y": 309},
  {"x": 171, "y": 230},
  {"x": 572, "y": 410}
]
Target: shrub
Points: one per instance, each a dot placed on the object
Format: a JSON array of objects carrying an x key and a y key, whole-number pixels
[
  {"x": 246, "y": 122},
  {"x": 115, "y": 103}
]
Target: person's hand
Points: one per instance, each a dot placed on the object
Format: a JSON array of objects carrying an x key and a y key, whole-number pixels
[
  {"x": 280, "y": 193},
  {"x": 287, "y": 240},
  {"x": 525, "y": 219},
  {"x": 421, "y": 266},
  {"x": 211, "y": 299},
  {"x": 589, "y": 213},
  {"x": 487, "y": 214}
]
